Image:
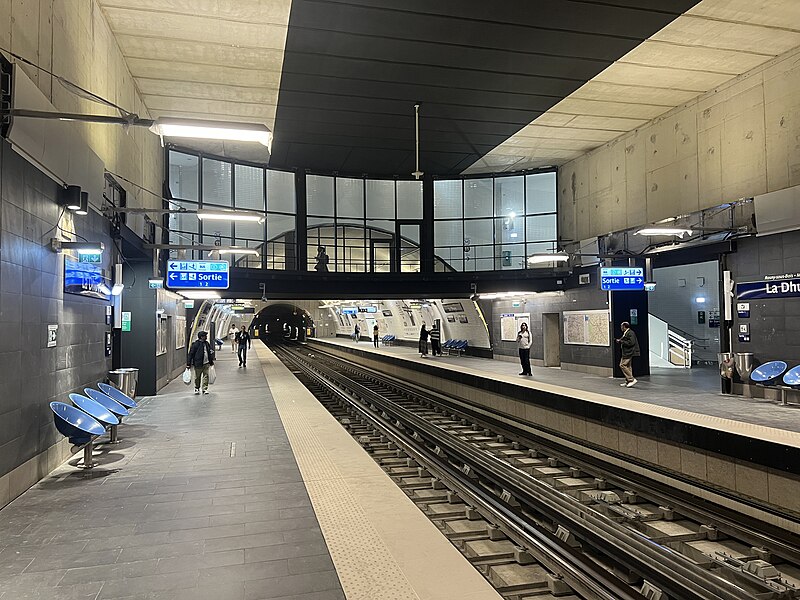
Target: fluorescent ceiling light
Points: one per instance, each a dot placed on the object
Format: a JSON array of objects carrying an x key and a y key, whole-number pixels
[
  {"x": 536, "y": 259},
  {"x": 676, "y": 231},
  {"x": 212, "y": 130},
  {"x": 104, "y": 289},
  {"x": 199, "y": 294},
  {"x": 116, "y": 289},
  {"x": 79, "y": 247},
  {"x": 233, "y": 250},
  {"x": 230, "y": 215}
]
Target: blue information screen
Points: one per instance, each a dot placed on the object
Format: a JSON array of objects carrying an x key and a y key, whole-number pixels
[
  {"x": 206, "y": 274},
  {"x": 622, "y": 279}
]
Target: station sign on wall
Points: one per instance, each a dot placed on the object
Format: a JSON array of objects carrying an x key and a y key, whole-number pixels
[
  {"x": 622, "y": 279},
  {"x": 764, "y": 290},
  {"x": 205, "y": 274}
]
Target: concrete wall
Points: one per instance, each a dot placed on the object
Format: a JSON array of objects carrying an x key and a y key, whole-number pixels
[
  {"x": 72, "y": 39},
  {"x": 736, "y": 141},
  {"x": 31, "y": 297}
]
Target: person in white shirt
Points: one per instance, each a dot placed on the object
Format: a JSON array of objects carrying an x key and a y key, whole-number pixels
[
  {"x": 232, "y": 336},
  {"x": 524, "y": 345}
]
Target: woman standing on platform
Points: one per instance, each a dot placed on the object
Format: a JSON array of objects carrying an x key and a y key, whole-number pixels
[
  {"x": 524, "y": 345},
  {"x": 375, "y": 335},
  {"x": 423, "y": 341}
]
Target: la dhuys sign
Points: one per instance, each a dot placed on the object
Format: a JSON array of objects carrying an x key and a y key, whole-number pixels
[{"x": 770, "y": 288}]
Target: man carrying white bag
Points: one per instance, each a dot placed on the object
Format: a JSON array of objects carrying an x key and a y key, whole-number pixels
[{"x": 201, "y": 359}]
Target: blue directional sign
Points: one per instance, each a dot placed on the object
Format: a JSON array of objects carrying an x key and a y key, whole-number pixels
[
  {"x": 206, "y": 274},
  {"x": 622, "y": 279}
]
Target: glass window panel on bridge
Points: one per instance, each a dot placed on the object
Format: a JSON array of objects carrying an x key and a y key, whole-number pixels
[
  {"x": 184, "y": 175},
  {"x": 216, "y": 182},
  {"x": 350, "y": 198},
  {"x": 540, "y": 193},
  {"x": 479, "y": 258},
  {"x": 409, "y": 199},
  {"x": 319, "y": 196},
  {"x": 509, "y": 257},
  {"x": 184, "y": 228},
  {"x": 380, "y": 199},
  {"x": 509, "y": 196},
  {"x": 217, "y": 233},
  {"x": 249, "y": 188},
  {"x": 447, "y": 199},
  {"x": 281, "y": 192},
  {"x": 478, "y": 198}
]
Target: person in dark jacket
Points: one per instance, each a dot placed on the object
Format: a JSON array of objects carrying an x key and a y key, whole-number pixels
[
  {"x": 201, "y": 357},
  {"x": 243, "y": 343},
  {"x": 630, "y": 348},
  {"x": 436, "y": 337},
  {"x": 375, "y": 334},
  {"x": 423, "y": 341}
]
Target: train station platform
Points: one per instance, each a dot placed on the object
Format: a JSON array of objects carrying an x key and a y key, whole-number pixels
[{"x": 206, "y": 497}]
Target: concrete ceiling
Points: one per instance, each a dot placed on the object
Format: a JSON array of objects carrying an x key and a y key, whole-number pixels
[
  {"x": 208, "y": 59},
  {"x": 502, "y": 87},
  {"x": 711, "y": 43}
]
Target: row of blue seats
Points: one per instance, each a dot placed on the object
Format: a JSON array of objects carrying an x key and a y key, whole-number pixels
[
  {"x": 89, "y": 416},
  {"x": 457, "y": 346},
  {"x": 771, "y": 372},
  {"x": 388, "y": 338}
]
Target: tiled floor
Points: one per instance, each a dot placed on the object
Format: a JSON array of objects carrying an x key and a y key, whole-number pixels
[
  {"x": 202, "y": 500},
  {"x": 694, "y": 390}
]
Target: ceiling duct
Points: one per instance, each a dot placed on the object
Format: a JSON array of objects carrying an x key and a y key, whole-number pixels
[{"x": 777, "y": 212}]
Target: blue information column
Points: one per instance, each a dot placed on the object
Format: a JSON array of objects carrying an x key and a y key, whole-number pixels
[
  {"x": 622, "y": 279},
  {"x": 190, "y": 274}
]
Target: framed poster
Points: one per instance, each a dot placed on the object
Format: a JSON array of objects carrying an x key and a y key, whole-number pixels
[
  {"x": 587, "y": 327},
  {"x": 510, "y": 324}
]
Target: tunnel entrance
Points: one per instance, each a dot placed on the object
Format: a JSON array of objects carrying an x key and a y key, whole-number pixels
[{"x": 283, "y": 321}]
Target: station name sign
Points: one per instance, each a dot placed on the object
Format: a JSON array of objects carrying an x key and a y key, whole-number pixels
[
  {"x": 763, "y": 290},
  {"x": 621, "y": 279}
]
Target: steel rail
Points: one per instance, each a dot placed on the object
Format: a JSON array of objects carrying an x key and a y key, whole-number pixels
[
  {"x": 583, "y": 575},
  {"x": 672, "y": 572}
]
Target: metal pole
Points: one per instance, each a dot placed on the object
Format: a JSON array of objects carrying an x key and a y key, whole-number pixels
[
  {"x": 87, "y": 456},
  {"x": 133, "y": 121}
]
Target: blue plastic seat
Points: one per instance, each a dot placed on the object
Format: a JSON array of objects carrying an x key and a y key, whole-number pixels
[
  {"x": 792, "y": 377},
  {"x": 75, "y": 424},
  {"x": 115, "y": 394},
  {"x": 769, "y": 372},
  {"x": 94, "y": 409},
  {"x": 111, "y": 404}
]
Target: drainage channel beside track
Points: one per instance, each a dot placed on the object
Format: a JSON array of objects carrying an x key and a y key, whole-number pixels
[{"x": 539, "y": 523}]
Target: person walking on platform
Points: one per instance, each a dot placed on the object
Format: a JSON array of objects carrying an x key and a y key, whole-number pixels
[
  {"x": 232, "y": 337},
  {"x": 375, "y": 335},
  {"x": 524, "y": 346},
  {"x": 630, "y": 348},
  {"x": 423, "y": 342},
  {"x": 436, "y": 336},
  {"x": 201, "y": 357},
  {"x": 243, "y": 342},
  {"x": 356, "y": 332}
]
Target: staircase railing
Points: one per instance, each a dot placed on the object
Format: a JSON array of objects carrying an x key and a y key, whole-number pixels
[{"x": 678, "y": 347}]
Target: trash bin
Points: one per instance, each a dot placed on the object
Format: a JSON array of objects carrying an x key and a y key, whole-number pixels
[
  {"x": 726, "y": 364},
  {"x": 744, "y": 364},
  {"x": 135, "y": 373},
  {"x": 125, "y": 380}
]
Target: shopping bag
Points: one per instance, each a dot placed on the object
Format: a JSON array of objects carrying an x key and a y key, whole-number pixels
[
  {"x": 187, "y": 376},
  {"x": 212, "y": 375}
]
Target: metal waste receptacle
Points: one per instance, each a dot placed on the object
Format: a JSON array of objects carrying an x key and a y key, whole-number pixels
[
  {"x": 125, "y": 380},
  {"x": 744, "y": 364},
  {"x": 727, "y": 364}
]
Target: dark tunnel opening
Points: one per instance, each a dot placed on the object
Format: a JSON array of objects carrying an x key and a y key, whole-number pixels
[{"x": 283, "y": 321}]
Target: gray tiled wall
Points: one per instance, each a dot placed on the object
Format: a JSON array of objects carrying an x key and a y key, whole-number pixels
[
  {"x": 31, "y": 297},
  {"x": 584, "y": 298},
  {"x": 774, "y": 323}
]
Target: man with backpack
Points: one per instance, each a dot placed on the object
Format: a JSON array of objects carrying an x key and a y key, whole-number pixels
[{"x": 201, "y": 357}]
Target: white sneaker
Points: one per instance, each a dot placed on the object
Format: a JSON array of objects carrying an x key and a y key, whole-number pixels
[
  {"x": 624, "y": 384},
  {"x": 196, "y": 392},
  {"x": 205, "y": 392},
  {"x": 632, "y": 383}
]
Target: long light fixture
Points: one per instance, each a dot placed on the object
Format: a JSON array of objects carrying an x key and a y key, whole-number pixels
[
  {"x": 234, "y": 250},
  {"x": 116, "y": 289},
  {"x": 676, "y": 231},
  {"x": 212, "y": 130},
  {"x": 81, "y": 247},
  {"x": 230, "y": 215},
  {"x": 199, "y": 294},
  {"x": 537, "y": 259},
  {"x": 163, "y": 126},
  {"x": 104, "y": 289}
]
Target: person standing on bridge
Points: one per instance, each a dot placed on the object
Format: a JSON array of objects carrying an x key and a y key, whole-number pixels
[
  {"x": 243, "y": 343},
  {"x": 629, "y": 346},
  {"x": 201, "y": 357}
]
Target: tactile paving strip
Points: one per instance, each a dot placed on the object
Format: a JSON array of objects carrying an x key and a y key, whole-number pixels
[{"x": 366, "y": 567}]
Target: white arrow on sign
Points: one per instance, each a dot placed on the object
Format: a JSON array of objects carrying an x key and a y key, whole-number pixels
[{"x": 172, "y": 276}]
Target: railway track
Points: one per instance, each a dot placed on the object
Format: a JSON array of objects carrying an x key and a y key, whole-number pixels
[{"x": 540, "y": 521}]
